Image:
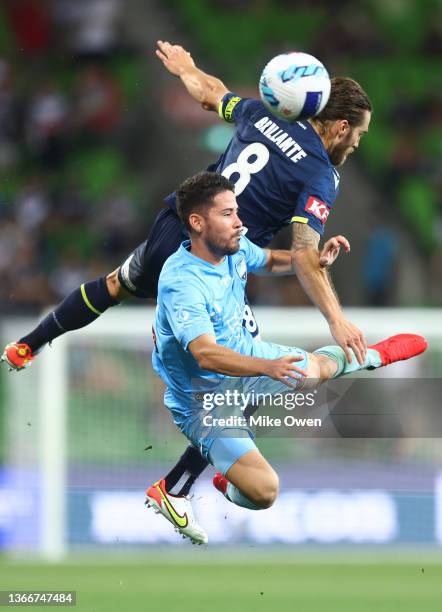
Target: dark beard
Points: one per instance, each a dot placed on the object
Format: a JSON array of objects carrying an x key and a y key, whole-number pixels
[
  {"x": 337, "y": 157},
  {"x": 222, "y": 251}
]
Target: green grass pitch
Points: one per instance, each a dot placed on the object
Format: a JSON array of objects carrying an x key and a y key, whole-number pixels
[{"x": 255, "y": 581}]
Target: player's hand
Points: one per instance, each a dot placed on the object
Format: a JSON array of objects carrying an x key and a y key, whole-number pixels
[
  {"x": 285, "y": 371},
  {"x": 331, "y": 249},
  {"x": 176, "y": 59},
  {"x": 348, "y": 336}
]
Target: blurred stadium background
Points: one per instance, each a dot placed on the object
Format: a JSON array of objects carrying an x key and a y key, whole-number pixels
[{"x": 93, "y": 134}]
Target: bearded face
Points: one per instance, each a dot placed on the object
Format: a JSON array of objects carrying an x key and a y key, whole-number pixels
[
  {"x": 341, "y": 139},
  {"x": 339, "y": 152}
]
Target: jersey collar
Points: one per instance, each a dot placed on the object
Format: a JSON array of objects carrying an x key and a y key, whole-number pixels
[{"x": 186, "y": 254}]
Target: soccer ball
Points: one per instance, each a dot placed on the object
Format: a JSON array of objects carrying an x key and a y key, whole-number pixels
[{"x": 294, "y": 86}]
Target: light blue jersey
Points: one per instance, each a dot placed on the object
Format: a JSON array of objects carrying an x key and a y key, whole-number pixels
[{"x": 196, "y": 297}]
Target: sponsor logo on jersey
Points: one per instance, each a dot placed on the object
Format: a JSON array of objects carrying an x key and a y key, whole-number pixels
[
  {"x": 182, "y": 315},
  {"x": 318, "y": 208},
  {"x": 241, "y": 268},
  {"x": 228, "y": 111}
]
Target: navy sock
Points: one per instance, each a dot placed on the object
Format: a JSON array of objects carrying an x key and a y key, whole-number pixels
[
  {"x": 182, "y": 476},
  {"x": 78, "y": 309}
]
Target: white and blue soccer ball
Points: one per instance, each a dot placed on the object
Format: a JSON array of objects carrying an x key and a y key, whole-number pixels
[{"x": 294, "y": 86}]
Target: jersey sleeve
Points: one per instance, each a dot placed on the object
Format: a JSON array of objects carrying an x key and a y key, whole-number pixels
[
  {"x": 170, "y": 200},
  {"x": 186, "y": 312},
  {"x": 256, "y": 257},
  {"x": 234, "y": 109},
  {"x": 315, "y": 202}
]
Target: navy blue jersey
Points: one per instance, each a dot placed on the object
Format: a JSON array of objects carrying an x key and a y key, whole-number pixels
[{"x": 281, "y": 171}]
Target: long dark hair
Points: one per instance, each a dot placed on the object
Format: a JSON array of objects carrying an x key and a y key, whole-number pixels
[{"x": 347, "y": 101}]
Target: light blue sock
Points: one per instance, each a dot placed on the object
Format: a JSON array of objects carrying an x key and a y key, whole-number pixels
[
  {"x": 235, "y": 496},
  {"x": 372, "y": 360}
]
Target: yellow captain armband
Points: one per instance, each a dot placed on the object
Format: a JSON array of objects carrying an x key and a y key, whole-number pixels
[
  {"x": 226, "y": 113},
  {"x": 298, "y": 220}
]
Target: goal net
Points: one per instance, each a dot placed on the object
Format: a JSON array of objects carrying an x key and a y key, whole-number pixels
[{"x": 86, "y": 431}]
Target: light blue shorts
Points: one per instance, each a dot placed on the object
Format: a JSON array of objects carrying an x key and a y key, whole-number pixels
[
  {"x": 223, "y": 445},
  {"x": 225, "y": 451},
  {"x": 220, "y": 445}
]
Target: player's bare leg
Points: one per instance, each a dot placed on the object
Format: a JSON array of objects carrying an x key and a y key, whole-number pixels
[
  {"x": 115, "y": 288},
  {"x": 396, "y": 348},
  {"x": 250, "y": 482}
]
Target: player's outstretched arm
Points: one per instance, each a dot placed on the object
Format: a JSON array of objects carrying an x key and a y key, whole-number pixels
[
  {"x": 217, "y": 358},
  {"x": 204, "y": 88},
  {"x": 317, "y": 284}
]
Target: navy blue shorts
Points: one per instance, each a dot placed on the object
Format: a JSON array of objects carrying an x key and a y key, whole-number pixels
[{"x": 140, "y": 271}]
